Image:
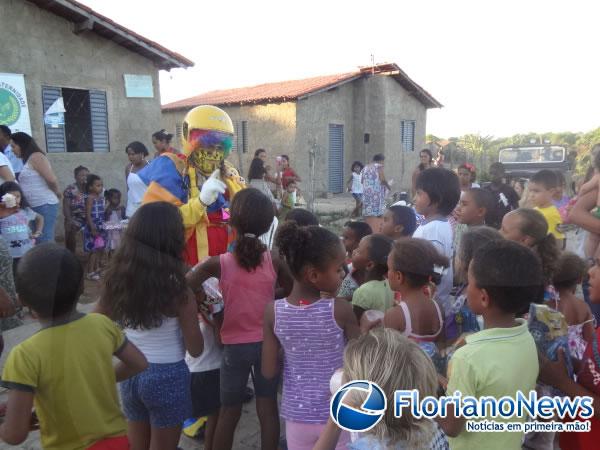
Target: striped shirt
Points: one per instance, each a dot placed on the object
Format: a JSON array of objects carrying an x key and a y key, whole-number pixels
[{"x": 313, "y": 346}]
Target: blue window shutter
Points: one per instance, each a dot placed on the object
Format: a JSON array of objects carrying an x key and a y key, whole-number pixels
[
  {"x": 99, "y": 118},
  {"x": 55, "y": 136},
  {"x": 336, "y": 158},
  {"x": 407, "y": 128}
]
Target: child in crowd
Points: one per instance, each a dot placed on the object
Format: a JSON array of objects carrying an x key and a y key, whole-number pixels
[
  {"x": 569, "y": 273},
  {"x": 311, "y": 331},
  {"x": 352, "y": 233},
  {"x": 472, "y": 210},
  {"x": 247, "y": 277},
  {"x": 15, "y": 218},
  {"x": 462, "y": 320},
  {"x": 543, "y": 186},
  {"x": 473, "y": 206},
  {"x": 113, "y": 215},
  {"x": 389, "y": 359},
  {"x": 94, "y": 236},
  {"x": 146, "y": 293},
  {"x": 369, "y": 262},
  {"x": 356, "y": 188},
  {"x": 529, "y": 228},
  {"x": 288, "y": 199},
  {"x": 555, "y": 374},
  {"x": 65, "y": 369},
  {"x": 205, "y": 369},
  {"x": 438, "y": 193},
  {"x": 398, "y": 222},
  {"x": 502, "y": 359},
  {"x": 414, "y": 264},
  {"x": 302, "y": 217}
]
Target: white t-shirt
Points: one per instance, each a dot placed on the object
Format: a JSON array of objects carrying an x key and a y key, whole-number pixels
[
  {"x": 210, "y": 359},
  {"x": 5, "y": 162},
  {"x": 439, "y": 233},
  {"x": 357, "y": 187}
]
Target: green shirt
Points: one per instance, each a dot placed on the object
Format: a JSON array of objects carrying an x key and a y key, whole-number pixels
[
  {"x": 374, "y": 295},
  {"x": 68, "y": 368},
  {"x": 495, "y": 362}
]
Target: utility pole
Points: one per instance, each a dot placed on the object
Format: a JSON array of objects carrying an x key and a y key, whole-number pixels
[{"x": 312, "y": 154}]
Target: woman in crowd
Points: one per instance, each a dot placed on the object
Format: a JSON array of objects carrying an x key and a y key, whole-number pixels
[
  {"x": 162, "y": 143},
  {"x": 38, "y": 182},
  {"x": 426, "y": 159},
  {"x": 74, "y": 207},
  {"x": 375, "y": 189},
  {"x": 137, "y": 153}
]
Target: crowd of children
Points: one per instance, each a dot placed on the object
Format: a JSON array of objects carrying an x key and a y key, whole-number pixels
[{"x": 430, "y": 306}]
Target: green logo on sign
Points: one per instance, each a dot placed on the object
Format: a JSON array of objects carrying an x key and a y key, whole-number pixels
[{"x": 10, "y": 110}]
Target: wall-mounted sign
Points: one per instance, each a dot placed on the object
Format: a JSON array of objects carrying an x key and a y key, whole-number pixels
[
  {"x": 138, "y": 86},
  {"x": 14, "y": 111}
]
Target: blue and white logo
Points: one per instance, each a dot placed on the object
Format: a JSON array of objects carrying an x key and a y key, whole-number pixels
[{"x": 367, "y": 415}]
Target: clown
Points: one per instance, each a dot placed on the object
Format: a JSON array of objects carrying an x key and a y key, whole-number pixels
[{"x": 200, "y": 182}]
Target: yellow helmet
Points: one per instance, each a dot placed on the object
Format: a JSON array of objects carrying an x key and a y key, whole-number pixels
[{"x": 207, "y": 137}]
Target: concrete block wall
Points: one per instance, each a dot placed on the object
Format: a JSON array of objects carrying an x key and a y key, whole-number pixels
[{"x": 43, "y": 47}]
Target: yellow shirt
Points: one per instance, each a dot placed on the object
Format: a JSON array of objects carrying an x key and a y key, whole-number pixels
[
  {"x": 553, "y": 219},
  {"x": 494, "y": 362},
  {"x": 69, "y": 369}
]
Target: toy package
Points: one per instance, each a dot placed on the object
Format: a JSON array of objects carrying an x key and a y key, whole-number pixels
[{"x": 550, "y": 332}]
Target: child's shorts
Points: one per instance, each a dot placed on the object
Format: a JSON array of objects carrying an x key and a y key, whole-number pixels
[
  {"x": 113, "y": 443},
  {"x": 237, "y": 363},
  {"x": 358, "y": 197},
  {"x": 159, "y": 395},
  {"x": 205, "y": 393}
]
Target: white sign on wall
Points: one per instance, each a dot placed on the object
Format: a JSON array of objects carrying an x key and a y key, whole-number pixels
[
  {"x": 139, "y": 86},
  {"x": 14, "y": 111}
]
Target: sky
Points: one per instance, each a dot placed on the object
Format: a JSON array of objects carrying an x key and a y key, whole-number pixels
[{"x": 498, "y": 67}]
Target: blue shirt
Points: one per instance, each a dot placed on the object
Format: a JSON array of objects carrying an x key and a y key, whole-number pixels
[{"x": 15, "y": 162}]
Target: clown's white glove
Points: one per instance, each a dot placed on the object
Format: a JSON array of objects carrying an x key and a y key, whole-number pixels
[{"x": 212, "y": 188}]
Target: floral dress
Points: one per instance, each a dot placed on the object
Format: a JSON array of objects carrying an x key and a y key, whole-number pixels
[
  {"x": 373, "y": 191},
  {"x": 91, "y": 243}
]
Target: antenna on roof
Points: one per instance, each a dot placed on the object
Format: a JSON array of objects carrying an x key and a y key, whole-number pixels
[{"x": 372, "y": 64}]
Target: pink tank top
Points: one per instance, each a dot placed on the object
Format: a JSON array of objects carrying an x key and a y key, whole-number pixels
[{"x": 245, "y": 296}]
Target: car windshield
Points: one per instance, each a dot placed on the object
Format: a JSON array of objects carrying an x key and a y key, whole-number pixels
[{"x": 541, "y": 154}]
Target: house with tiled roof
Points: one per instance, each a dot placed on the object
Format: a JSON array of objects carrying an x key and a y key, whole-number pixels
[
  {"x": 81, "y": 84},
  {"x": 337, "y": 118}
]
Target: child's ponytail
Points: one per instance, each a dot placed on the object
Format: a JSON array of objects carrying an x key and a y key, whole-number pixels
[
  {"x": 534, "y": 224},
  {"x": 251, "y": 216},
  {"x": 248, "y": 250},
  {"x": 548, "y": 252}
]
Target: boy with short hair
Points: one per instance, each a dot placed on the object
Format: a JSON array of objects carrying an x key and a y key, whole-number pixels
[
  {"x": 504, "y": 277},
  {"x": 473, "y": 207},
  {"x": 542, "y": 188},
  {"x": 66, "y": 369},
  {"x": 398, "y": 222},
  {"x": 352, "y": 233}
]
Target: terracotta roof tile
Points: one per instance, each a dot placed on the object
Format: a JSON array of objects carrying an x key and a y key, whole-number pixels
[
  {"x": 292, "y": 90},
  {"x": 263, "y": 93}
]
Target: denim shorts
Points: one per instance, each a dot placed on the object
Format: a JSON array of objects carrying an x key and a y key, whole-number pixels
[
  {"x": 358, "y": 197},
  {"x": 239, "y": 360},
  {"x": 159, "y": 395}
]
